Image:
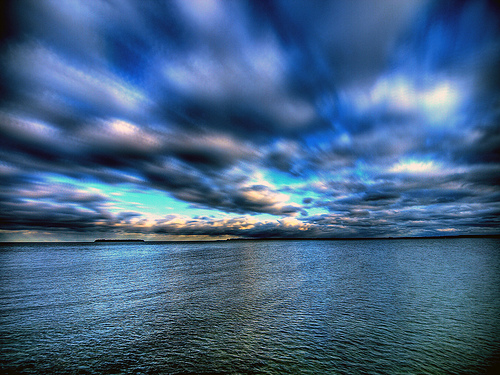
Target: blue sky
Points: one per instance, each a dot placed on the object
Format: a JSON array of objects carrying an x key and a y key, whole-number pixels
[{"x": 188, "y": 120}]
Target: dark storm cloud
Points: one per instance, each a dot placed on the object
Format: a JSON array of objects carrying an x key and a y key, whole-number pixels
[
  {"x": 35, "y": 205},
  {"x": 454, "y": 201},
  {"x": 449, "y": 38},
  {"x": 193, "y": 98},
  {"x": 64, "y": 211},
  {"x": 191, "y": 70},
  {"x": 345, "y": 40},
  {"x": 223, "y": 193}
]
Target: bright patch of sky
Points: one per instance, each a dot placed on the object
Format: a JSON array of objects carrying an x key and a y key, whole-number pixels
[{"x": 415, "y": 166}]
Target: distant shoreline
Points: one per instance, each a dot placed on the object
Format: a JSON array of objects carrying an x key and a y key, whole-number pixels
[
  {"x": 362, "y": 238},
  {"x": 308, "y": 239},
  {"x": 101, "y": 240},
  {"x": 117, "y": 240}
]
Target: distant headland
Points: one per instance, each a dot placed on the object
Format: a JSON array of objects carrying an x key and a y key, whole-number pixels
[{"x": 117, "y": 240}]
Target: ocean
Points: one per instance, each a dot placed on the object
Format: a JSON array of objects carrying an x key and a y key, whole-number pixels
[{"x": 400, "y": 306}]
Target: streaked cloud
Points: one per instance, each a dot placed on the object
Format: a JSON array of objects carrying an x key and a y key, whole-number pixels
[{"x": 219, "y": 119}]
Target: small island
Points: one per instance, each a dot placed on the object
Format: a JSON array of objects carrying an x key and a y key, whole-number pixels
[{"x": 117, "y": 240}]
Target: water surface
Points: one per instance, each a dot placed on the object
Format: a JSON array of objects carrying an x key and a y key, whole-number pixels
[{"x": 263, "y": 307}]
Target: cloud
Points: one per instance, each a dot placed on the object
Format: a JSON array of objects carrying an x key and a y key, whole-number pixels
[
  {"x": 236, "y": 227},
  {"x": 36, "y": 205},
  {"x": 337, "y": 118}
]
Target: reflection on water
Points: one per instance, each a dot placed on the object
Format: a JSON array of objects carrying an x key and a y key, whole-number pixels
[{"x": 269, "y": 307}]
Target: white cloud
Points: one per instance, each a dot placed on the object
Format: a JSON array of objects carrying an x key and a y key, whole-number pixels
[
  {"x": 416, "y": 167},
  {"x": 435, "y": 102}
]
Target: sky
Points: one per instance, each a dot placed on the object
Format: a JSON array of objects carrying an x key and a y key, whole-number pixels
[{"x": 205, "y": 120}]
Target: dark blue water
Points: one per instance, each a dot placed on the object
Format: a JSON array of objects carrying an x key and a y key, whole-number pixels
[{"x": 267, "y": 307}]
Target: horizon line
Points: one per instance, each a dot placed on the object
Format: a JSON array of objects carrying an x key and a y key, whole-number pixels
[{"x": 138, "y": 240}]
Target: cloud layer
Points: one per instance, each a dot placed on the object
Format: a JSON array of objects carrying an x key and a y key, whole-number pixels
[{"x": 275, "y": 118}]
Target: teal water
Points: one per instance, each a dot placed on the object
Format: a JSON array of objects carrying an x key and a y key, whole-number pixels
[{"x": 427, "y": 306}]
